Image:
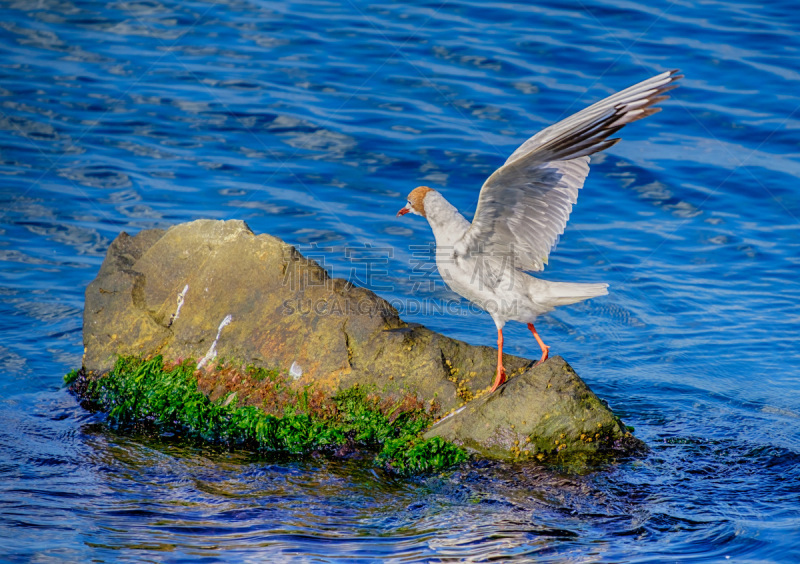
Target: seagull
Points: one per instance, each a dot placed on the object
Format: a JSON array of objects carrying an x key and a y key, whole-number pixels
[{"x": 523, "y": 208}]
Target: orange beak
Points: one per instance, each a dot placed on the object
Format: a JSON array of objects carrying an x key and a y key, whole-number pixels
[{"x": 403, "y": 211}]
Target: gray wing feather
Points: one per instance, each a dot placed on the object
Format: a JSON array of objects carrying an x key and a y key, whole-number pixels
[{"x": 524, "y": 205}]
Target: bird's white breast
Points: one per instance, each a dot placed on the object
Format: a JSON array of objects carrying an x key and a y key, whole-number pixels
[
  {"x": 494, "y": 286},
  {"x": 468, "y": 276}
]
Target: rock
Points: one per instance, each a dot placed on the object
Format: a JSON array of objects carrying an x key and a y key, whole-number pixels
[
  {"x": 547, "y": 409},
  {"x": 212, "y": 290}
]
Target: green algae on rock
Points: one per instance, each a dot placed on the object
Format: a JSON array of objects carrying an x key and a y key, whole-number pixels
[{"x": 152, "y": 395}]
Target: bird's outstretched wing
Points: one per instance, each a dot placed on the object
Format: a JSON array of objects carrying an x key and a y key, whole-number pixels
[{"x": 524, "y": 205}]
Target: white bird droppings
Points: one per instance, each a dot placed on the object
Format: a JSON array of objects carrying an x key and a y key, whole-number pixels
[
  {"x": 212, "y": 352},
  {"x": 175, "y": 315}
]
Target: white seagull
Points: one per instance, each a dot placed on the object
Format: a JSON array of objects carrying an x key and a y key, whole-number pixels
[{"x": 523, "y": 208}]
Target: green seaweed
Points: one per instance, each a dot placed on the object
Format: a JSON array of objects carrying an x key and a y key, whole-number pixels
[
  {"x": 147, "y": 394},
  {"x": 70, "y": 377}
]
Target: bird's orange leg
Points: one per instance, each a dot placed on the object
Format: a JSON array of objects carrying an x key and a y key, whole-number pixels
[
  {"x": 545, "y": 348},
  {"x": 501, "y": 372}
]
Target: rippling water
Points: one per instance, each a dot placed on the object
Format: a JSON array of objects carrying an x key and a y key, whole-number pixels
[{"x": 312, "y": 122}]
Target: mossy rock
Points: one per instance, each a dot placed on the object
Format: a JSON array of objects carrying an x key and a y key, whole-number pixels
[{"x": 214, "y": 290}]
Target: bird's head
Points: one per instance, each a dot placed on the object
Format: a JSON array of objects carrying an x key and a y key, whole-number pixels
[{"x": 416, "y": 201}]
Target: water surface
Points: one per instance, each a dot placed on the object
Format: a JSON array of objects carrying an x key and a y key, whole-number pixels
[{"x": 311, "y": 122}]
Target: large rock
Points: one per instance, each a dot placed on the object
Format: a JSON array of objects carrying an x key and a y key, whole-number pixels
[{"x": 213, "y": 290}]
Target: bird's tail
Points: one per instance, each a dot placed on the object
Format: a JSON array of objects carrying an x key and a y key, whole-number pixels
[{"x": 564, "y": 293}]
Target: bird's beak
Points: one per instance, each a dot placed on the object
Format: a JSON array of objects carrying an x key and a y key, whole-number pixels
[{"x": 403, "y": 211}]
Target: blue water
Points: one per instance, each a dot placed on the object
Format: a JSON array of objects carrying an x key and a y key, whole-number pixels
[{"x": 312, "y": 122}]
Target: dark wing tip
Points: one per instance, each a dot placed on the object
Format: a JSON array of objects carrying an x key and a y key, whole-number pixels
[
  {"x": 669, "y": 86},
  {"x": 649, "y": 112},
  {"x": 658, "y": 99}
]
